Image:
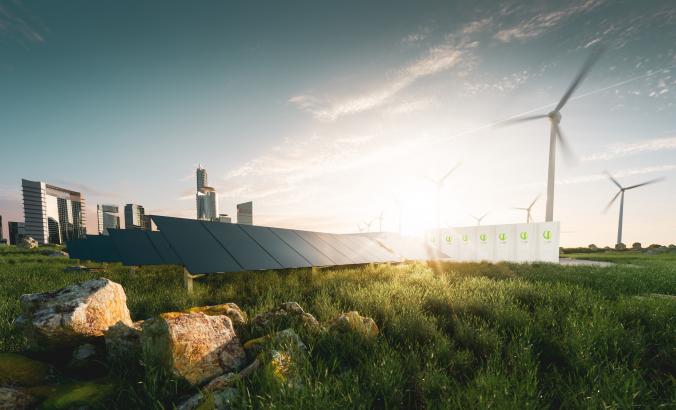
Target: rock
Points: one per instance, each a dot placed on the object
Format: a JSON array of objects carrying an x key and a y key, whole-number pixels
[
  {"x": 13, "y": 399},
  {"x": 231, "y": 310},
  {"x": 353, "y": 322},
  {"x": 27, "y": 242},
  {"x": 194, "y": 346},
  {"x": 288, "y": 314},
  {"x": 87, "y": 360},
  {"x": 218, "y": 400},
  {"x": 123, "y": 342},
  {"x": 83, "y": 395},
  {"x": 76, "y": 314},
  {"x": 285, "y": 338},
  {"x": 16, "y": 369},
  {"x": 58, "y": 254}
]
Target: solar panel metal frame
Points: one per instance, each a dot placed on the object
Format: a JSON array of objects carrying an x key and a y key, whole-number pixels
[
  {"x": 246, "y": 251},
  {"x": 286, "y": 255},
  {"x": 309, "y": 252},
  {"x": 135, "y": 247},
  {"x": 196, "y": 246}
]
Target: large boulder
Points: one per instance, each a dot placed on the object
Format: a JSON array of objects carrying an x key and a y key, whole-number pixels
[
  {"x": 27, "y": 242},
  {"x": 354, "y": 322},
  {"x": 288, "y": 314},
  {"x": 231, "y": 310},
  {"x": 194, "y": 346},
  {"x": 14, "y": 399},
  {"x": 76, "y": 314}
]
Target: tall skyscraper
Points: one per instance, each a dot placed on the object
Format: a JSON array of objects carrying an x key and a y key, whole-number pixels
[
  {"x": 206, "y": 199},
  {"x": 134, "y": 217},
  {"x": 245, "y": 213},
  {"x": 1, "y": 238},
  {"x": 108, "y": 218},
  {"x": 52, "y": 214},
  {"x": 17, "y": 230}
]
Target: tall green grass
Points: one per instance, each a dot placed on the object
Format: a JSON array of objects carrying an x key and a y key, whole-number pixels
[{"x": 452, "y": 335}]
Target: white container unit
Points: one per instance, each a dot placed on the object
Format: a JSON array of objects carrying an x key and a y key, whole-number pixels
[
  {"x": 548, "y": 234},
  {"x": 485, "y": 243},
  {"x": 450, "y": 243},
  {"x": 505, "y": 243},
  {"x": 467, "y": 243}
]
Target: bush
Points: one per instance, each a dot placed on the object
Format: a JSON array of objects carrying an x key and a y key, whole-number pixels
[
  {"x": 636, "y": 246},
  {"x": 593, "y": 247},
  {"x": 620, "y": 247},
  {"x": 654, "y": 246}
]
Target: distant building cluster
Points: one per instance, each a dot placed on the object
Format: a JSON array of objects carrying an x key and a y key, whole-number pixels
[{"x": 54, "y": 215}]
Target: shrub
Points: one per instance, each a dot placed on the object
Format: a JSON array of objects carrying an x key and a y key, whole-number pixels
[
  {"x": 620, "y": 247},
  {"x": 593, "y": 247},
  {"x": 636, "y": 246}
]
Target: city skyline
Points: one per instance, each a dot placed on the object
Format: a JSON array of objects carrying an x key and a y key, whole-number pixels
[{"x": 325, "y": 127}]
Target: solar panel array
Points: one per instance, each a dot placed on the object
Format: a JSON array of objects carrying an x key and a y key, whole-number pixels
[{"x": 209, "y": 247}]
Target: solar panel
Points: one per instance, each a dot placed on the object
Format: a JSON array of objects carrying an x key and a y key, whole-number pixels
[
  {"x": 373, "y": 251},
  {"x": 247, "y": 252},
  {"x": 407, "y": 248},
  {"x": 195, "y": 246},
  {"x": 322, "y": 246},
  {"x": 353, "y": 253},
  {"x": 101, "y": 249},
  {"x": 280, "y": 250},
  {"x": 310, "y": 253},
  {"x": 163, "y": 249},
  {"x": 134, "y": 247},
  {"x": 77, "y": 248}
]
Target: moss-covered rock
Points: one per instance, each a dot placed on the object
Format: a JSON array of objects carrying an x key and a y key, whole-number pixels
[
  {"x": 75, "y": 395},
  {"x": 15, "y": 399},
  {"x": 19, "y": 370},
  {"x": 282, "y": 339},
  {"x": 288, "y": 314},
  {"x": 354, "y": 322},
  {"x": 231, "y": 310}
]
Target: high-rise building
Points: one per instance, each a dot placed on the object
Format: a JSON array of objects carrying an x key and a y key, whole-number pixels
[
  {"x": 1, "y": 238},
  {"x": 17, "y": 230},
  {"x": 134, "y": 217},
  {"x": 108, "y": 217},
  {"x": 52, "y": 214},
  {"x": 224, "y": 218},
  {"x": 245, "y": 213},
  {"x": 148, "y": 224},
  {"x": 206, "y": 199}
]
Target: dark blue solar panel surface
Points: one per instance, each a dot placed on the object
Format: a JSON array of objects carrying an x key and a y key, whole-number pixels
[
  {"x": 363, "y": 248},
  {"x": 280, "y": 250},
  {"x": 352, "y": 256},
  {"x": 195, "y": 246},
  {"x": 77, "y": 248},
  {"x": 101, "y": 249},
  {"x": 243, "y": 249},
  {"x": 134, "y": 247},
  {"x": 162, "y": 247},
  {"x": 310, "y": 253},
  {"x": 313, "y": 239}
]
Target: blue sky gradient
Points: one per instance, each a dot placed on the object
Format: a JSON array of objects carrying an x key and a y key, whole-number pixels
[{"x": 326, "y": 115}]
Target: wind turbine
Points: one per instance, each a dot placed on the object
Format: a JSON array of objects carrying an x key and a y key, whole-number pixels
[
  {"x": 555, "y": 130},
  {"x": 478, "y": 220},
  {"x": 620, "y": 193},
  {"x": 439, "y": 183},
  {"x": 529, "y": 218}
]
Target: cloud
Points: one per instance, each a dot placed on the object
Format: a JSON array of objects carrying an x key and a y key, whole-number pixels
[
  {"x": 455, "y": 50},
  {"x": 624, "y": 150},
  {"x": 540, "y": 23},
  {"x": 22, "y": 29}
]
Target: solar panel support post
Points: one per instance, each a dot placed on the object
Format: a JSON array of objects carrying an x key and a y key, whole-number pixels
[{"x": 188, "y": 280}]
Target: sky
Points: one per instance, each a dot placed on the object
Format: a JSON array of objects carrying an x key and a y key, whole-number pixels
[{"x": 330, "y": 115}]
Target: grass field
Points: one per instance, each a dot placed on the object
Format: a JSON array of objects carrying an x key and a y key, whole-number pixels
[{"x": 453, "y": 336}]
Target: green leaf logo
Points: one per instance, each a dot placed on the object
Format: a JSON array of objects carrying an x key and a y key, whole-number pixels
[
  {"x": 482, "y": 237},
  {"x": 502, "y": 236},
  {"x": 523, "y": 235},
  {"x": 449, "y": 239},
  {"x": 465, "y": 238},
  {"x": 547, "y": 235}
]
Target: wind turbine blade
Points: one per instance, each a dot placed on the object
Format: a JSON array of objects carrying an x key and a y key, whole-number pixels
[
  {"x": 565, "y": 148},
  {"x": 533, "y": 203},
  {"x": 441, "y": 181},
  {"x": 613, "y": 179},
  {"x": 484, "y": 215},
  {"x": 591, "y": 60},
  {"x": 517, "y": 120},
  {"x": 612, "y": 201},
  {"x": 521, "y": 209},
  {"x": 652, "y": 181}
]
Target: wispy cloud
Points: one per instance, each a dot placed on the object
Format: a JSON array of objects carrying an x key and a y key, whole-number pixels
[
  {"x": 542, "y": 22},
  {"x": 16, "y": 23},
  {"x": 455, "y": 50},
  {"x": 624, "y": 150}
]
